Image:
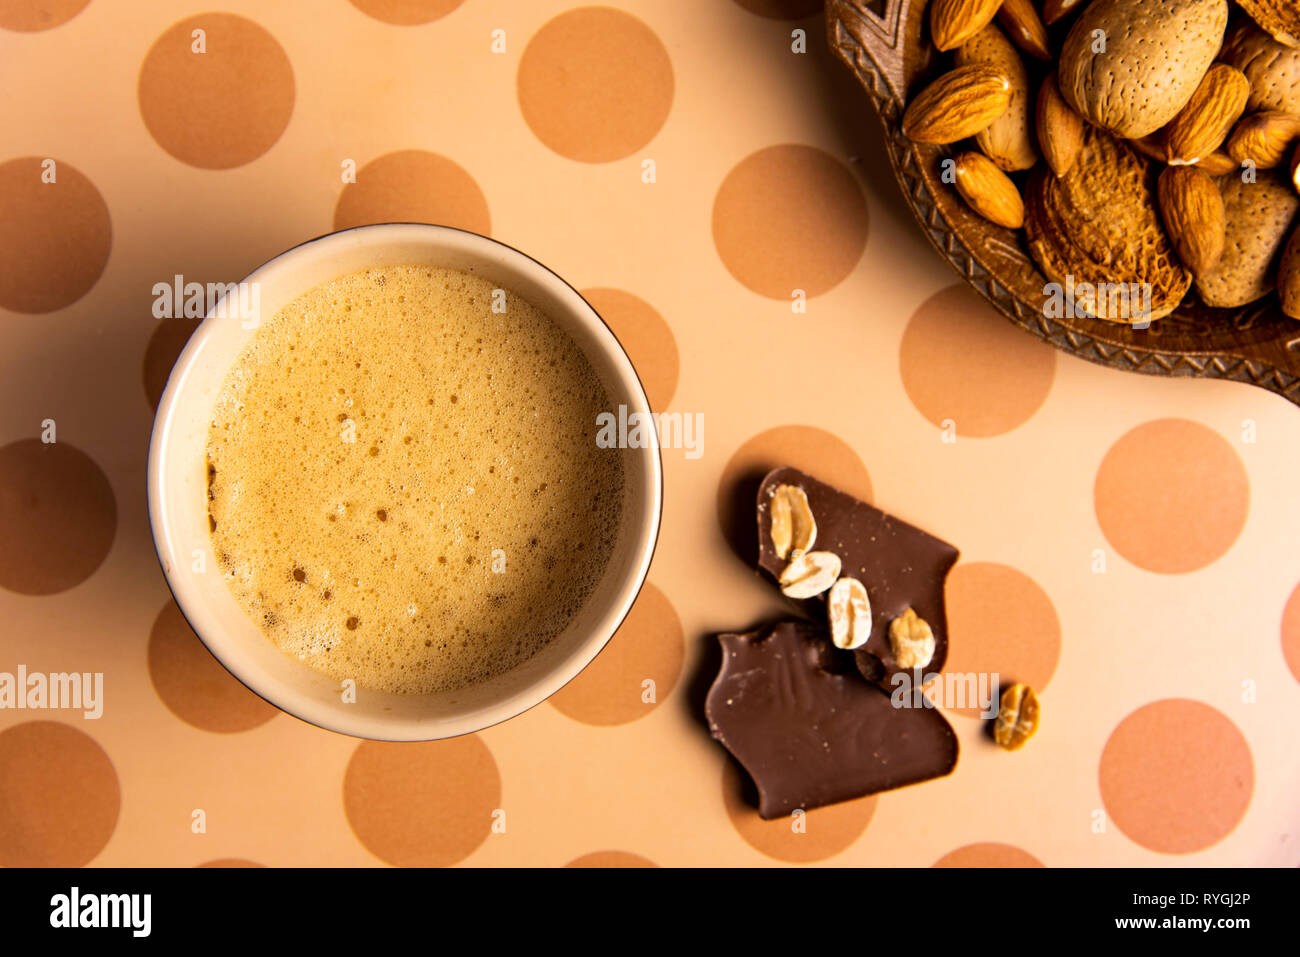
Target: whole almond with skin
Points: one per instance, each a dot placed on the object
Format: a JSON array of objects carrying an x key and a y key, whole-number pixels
[
  {"x": 1205, "y": 122},
  {"x": 988, "y": 190},
  {"x": 1009, "y": 140},
  {"x": 1026, "y": 28},
  {"x": 1054, "y": 10},
  {"x": 1217, "y": 163},
  {"x": 1288, "y": 277},
  {"x": 1151, "y": 146},
  {"x": 1264, "y": 139},
  {"x": 958, "y": 104},
  {"x": 848, "y": 609},
  {"x": 1060, "y": 129},
  {"x": 953, "y": 22},
  {"x": 1192, "y": 208},
  {"x": 1279, "y": 17}
]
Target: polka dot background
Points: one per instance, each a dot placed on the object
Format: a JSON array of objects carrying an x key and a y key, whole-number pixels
[{"x": 1102, "y": 518}]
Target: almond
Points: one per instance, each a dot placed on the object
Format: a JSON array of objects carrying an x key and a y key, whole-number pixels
[
  {"x": 1154, "y": 55},
  {"x": 1272, "y": 68},
  {"x": 1288, "y": 277},
  {"x": 810, "y": 574},
  {"x": 958, "y": 104},
  {"x": 1009, "y": 140},
  {"x": 1192, "y": 208},
  {"x": 1151, "y": 146},
  {"x": 988, "y": 190},
  {"x": 1279, "y": 17},
  {"x": 848, "y": 609},
  {"x": 953, "y": 22},
  {"x": 793, "y": 528},
  {"x": 1261, "y": 216},
  {"x": 1264, "y": 139},
  {"x": 1017, "y": 719},
  {"x": 1026, "y": 28},
  {"x": 1205, "y": 122},
  {"x": 1060, "y": 129},
  {"x": 1295, "y": 169},
  {"x": 1054, "y": 10},
  {"x": 1217, "y": 163},
  {"x": 911, "y": 640},
  {"x": 1097, "y": 231}
]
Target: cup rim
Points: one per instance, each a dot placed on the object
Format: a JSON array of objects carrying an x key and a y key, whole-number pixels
[{"x": 364, "y": 726}]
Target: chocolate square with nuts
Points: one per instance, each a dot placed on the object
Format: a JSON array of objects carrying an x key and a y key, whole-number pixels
[{"x": 901, "y": 566}]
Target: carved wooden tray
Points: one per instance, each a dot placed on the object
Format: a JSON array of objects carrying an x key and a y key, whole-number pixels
[{"x": 883, "y": 44}]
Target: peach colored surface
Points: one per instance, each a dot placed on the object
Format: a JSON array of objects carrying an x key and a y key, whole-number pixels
[{"x": 1127, "y": 543}]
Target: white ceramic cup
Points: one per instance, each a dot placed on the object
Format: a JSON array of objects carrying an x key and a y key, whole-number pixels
[{"x": 177, "y": 483}]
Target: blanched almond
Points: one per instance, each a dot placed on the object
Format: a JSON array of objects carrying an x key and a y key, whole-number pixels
[
  {"x": 810, "y": 574},
  {"x": 911, "y": 640},
  {"x": 793, "y": 527},
  {"x": 849, "y": 610}
]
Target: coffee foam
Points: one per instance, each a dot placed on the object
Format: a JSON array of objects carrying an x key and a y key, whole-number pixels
[{"x": 404, "y": 486}]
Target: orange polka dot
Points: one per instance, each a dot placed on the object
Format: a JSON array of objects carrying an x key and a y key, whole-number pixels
[
  {"x": 826, "y": 831},
  {"x": 595, "y": 84},
  {"x": 999, "y": 622},
  {"x": 231, "y": 862},
  {"x": 962, "y": 361},
  {"x": 422, "y": 804},
  {"x": 819, "y": 453},
  {"x": 164, "y": 348},
  {"x": 645, "y": 337},
  {"x": 222, "y": 107},
  {"x": 988, "y": 855},
  {"x": 611, "y": 859},
  {"x": 405, "y": 13},
  {"x": 57, "y": 515},
  {"x": 29, "y": 16},
  {"x": 1176, "y": 776},
  {"x": 1291, "y": 633},
  {"x": 782, "y": 9},
  {"x": 789, "y": 217},
  {"x": 54, "y": 236},
  {"x": 1172, "y": 496},
  {"x": 194, "y": 685},
  {"x": 648, "y": 646},
  {"x": 59, "y": 796},
  {"x": 412, "y": 186}
]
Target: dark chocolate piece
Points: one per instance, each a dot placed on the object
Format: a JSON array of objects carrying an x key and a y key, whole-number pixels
[
  {"x": 810, "y": 735},
  {"x": 901, "y": 566}
]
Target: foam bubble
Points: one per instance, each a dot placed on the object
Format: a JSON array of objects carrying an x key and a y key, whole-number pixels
[{"x": 404, "y": 486}]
